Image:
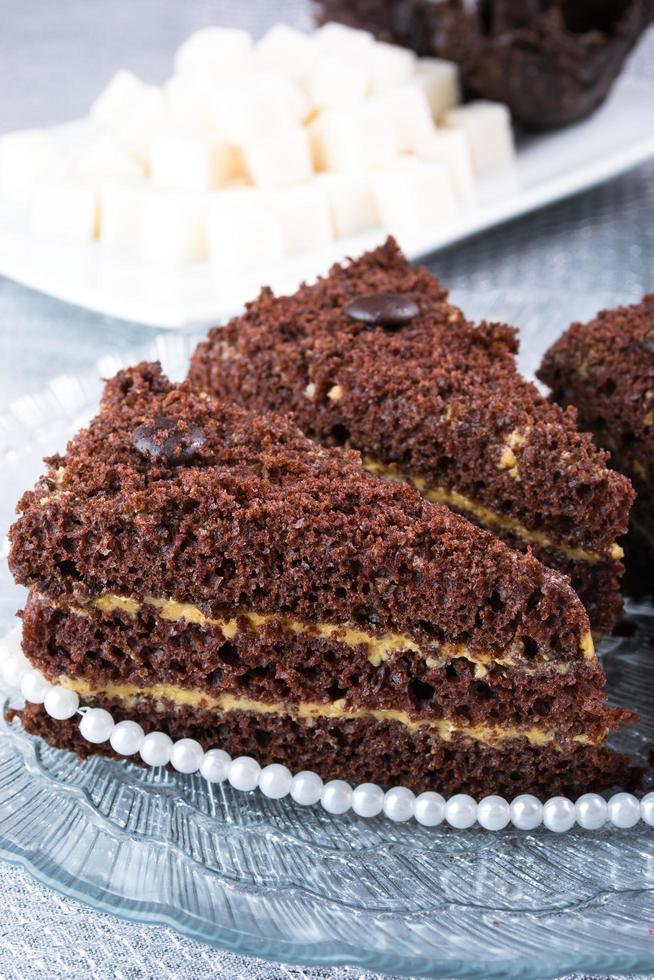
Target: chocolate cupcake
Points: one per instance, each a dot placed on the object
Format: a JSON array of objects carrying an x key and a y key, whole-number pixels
[{"x": 551, "y": 61}]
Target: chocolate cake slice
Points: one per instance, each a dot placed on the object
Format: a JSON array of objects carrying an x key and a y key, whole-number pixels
[
  {"x": 374, "y": 357},
  {"x": 605, "y": 368},
  {"x": 215, "y": 574}
]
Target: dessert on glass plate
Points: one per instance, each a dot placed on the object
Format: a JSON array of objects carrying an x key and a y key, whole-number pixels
[{"x": 221, "y": 580}]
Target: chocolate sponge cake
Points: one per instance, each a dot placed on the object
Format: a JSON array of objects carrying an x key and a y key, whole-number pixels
[
  {"x": 215, "y": 574},
  {"x": 374, "y": 357},
  {"x": 605, "y": 368}
]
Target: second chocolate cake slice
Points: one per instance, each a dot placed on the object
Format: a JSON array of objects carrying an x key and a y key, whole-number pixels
[
  {"x": 217, "y": 575},
  {"x": 374, "y": 357}
]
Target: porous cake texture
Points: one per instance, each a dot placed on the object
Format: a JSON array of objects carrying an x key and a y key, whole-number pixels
[
  {"x": 375, "y": 358},
  {"x": 216, "y": 574},
  {"x": 605, "y": 368}
]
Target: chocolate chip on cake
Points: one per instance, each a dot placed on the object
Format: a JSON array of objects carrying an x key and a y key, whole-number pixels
[
  {"x": 387, "y": 310},
  {"x": 170, "y": 440}
]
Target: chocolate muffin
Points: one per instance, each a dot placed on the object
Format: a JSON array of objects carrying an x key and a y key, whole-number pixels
[{"x": 551, "y": 61}]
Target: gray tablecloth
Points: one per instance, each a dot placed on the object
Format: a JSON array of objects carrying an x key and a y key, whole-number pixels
[{"x": 54, "y": 58}]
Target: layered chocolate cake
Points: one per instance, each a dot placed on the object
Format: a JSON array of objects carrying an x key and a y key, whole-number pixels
[
  {"x": 375, "y": 358},
  {"x": 605, "y": 368},
  {"x": 551, "y": 61},
  {"x": 215, "y": 574}
]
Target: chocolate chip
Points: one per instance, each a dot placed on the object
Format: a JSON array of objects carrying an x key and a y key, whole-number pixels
[
  {"x": 648, "y": 339},
  {"x": 388, "y": 310},
  {"x": 172, "y": 441}
]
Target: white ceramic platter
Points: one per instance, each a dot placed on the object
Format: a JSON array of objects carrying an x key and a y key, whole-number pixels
[{"x": 619, "y": 136}]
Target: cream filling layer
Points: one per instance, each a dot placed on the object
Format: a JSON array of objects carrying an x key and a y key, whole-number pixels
[
  {"x": 131, "y": 694},
  {"x": 380, "y": 648},
  {"x": 486, "y": 516}
]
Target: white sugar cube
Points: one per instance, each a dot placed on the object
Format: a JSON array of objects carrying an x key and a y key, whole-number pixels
[
  {"x": 285, "y": 50},
  {"x": 278, "y": 160},
  {"x": 243, "y": 231},
  {"x": 172, "y": 228},
  {"x": 439, "y": 80},
  {"x": 305, "y": 217},
  {"x": 413, "y": 197},
  {"x": 116, "y": 98},
  {"x": 120, "y": 214},
  {"x": 193, "y": 163},
  {"x": 388, "y": 66},
  {"x": 245, "y": 111},
  {"x": 451, "y": 148},
  {"x": 133, "y": 111},
  {"x": 332, "y": 83},
  {"x": 344, "y": 42},
  {"x": 65, "y": 209},
  {"x": 350, "y": 141},
  {"x": 27, "y": 157},
  {"x": 407, "y": 111},
  {"x": 190, "y": 103},
  {"x": 217, "y": 53},
  {"x": 103, "y": 158},
  {"x": 487, "y": 125},
  {"x": 351, "y": 202}
]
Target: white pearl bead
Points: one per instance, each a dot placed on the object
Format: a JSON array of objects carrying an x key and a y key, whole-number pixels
[
  {"x": 647, "y": 809},
  {"x": 368, "y": 800},
  {"x": 306, "y": 787},
  {"x": 186, "y": 755},
  {"x": 429, "y": 809},
  {"x": 399, "y": 804},
  {"x": 493, "y": 813},
  {"x": 559, "y": 814},
  {"x": 156, "y": 749},
  {"x": 244, "y": 773},
  {"x": 13, "y": 667},
  {"x": 275, "y": 781},
  {"x": 336, "y": 796},
  {"x": 34, "y": 686},
  {"x": 96, "y": 725},
  {"x": 591, "y": 811},
  {"x": 127, "y": 737},
  {"x": 526, "y": 812},
  {"x": 624, "y": 810},
  {"x": 461, "y": 811},
  {"x": 215, "y": 765},
  {"x": 61, "y": 703}
]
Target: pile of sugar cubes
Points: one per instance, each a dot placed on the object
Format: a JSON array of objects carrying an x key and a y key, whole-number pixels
[{"x": 253, "y": 152}]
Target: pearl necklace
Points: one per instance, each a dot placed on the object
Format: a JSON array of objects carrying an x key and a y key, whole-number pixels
[{"x": 127, "y": 738}]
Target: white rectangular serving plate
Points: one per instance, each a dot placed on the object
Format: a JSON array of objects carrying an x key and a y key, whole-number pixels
[{"x": 549, "y": 167}]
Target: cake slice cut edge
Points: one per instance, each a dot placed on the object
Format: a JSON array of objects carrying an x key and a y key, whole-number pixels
[
  {"x": 215, "y": 574},
  {"x": 605, "y": 369}
]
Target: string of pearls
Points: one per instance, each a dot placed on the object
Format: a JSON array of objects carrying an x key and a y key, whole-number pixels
[{"x": 127, "y": 738}]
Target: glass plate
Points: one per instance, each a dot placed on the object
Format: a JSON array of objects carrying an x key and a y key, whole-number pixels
[{"x": 271, "y": 879}]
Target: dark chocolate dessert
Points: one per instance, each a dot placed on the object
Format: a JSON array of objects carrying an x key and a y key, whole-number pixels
[
  {"x": 551, "y": 61},
  {"x": 375, "y": 358},
  {"x": 605, "y": 368},
  {"x": 215, "y": 574}
]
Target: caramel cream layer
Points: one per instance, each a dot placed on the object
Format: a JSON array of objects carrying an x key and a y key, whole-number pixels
[
  {"x": 486, "y": 516},
  {"x": 131, "y": 694},
  {"x": 380, "y": 648}
]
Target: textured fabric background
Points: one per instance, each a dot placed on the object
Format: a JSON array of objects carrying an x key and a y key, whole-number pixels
[{"x": 54, "y": 58}]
